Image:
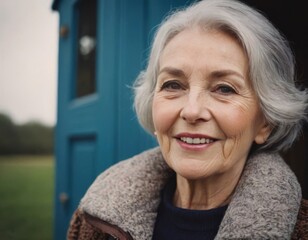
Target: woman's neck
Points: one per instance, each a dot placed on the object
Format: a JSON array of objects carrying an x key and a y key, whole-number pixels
[{"x": 204, "y": 194}]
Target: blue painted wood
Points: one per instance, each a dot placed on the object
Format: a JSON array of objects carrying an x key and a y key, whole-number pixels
[
  {"x": 82, "y": 165},
  {"x": 131, "y": 139},
  {"x": 62, "y": 156},
  {"x": 98, "y": 130}
]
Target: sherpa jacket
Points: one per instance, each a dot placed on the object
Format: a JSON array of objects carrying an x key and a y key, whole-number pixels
[{"x": 122, "y": 202}]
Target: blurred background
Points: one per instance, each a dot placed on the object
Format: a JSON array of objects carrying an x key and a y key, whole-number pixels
[{"x": 28, "y": 88}]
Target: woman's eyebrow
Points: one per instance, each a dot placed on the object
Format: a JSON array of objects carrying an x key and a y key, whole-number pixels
[
  {"x": 217, "y": 74},
  {"x": 224, "y": 73},
  {"x": 173, "y": 71}
]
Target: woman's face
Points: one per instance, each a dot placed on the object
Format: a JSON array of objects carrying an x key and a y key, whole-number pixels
[{"x": 205, "y": 112}]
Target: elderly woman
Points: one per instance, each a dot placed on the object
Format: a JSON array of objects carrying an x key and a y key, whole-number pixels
[{"x": 219, "y": 95}]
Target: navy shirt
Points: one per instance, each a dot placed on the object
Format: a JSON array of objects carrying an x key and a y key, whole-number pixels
[{"x": 173, "y": 223}]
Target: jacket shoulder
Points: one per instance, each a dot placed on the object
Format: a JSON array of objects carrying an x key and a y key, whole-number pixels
[{"x": 129, "y": 190}]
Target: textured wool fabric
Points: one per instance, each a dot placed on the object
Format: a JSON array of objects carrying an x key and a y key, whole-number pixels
[
  {"x": 265, "y": 203},
  {"x": 128, "y": 194},
  {"x": 264, "y": 206}
]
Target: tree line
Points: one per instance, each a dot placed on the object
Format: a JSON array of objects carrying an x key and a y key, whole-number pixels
[{"x": 29, "y": 138}]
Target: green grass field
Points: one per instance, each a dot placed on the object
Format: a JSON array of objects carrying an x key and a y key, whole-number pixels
[{"x": 26, "y": 197}]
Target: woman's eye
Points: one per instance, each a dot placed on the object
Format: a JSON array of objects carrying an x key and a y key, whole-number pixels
[
  {"x": 171, "y": 86},
  {"x": 225, "y": 89}
]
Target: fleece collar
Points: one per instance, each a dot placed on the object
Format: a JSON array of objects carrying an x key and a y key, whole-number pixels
[{"x": 264, "y": 206}]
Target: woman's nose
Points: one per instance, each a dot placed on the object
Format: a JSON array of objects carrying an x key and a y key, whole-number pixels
[{"x": 195, "y": 108}]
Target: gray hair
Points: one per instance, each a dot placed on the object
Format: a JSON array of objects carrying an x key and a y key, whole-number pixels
[{"x": 271, "y": 65}]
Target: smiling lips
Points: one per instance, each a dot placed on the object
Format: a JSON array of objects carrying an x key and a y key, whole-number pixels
[
  {"x": 190, "y": 140},
  {"x": 194, "y": 139}
]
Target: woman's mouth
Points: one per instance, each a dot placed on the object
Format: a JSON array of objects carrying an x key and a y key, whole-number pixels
[
  {"x": 196, "y": 141},
  {"x": 191, "y": 141}
]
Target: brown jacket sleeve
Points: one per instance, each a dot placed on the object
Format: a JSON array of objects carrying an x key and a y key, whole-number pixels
[
  {"x": 79, "y": 229},
  {"x": 301, "y": 227},
  {"x": 86, "y": 227}
]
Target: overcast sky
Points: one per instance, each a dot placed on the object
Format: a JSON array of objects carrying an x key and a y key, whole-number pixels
[{"x": 28, "y": 60}]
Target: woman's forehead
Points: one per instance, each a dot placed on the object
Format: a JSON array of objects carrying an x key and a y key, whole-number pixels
[{"x": 195, "y": 48}]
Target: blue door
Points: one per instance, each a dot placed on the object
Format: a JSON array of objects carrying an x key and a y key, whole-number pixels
[{"x": 102, "y": 48}]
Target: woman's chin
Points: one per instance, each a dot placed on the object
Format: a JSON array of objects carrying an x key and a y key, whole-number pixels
[{"x": 192, "y": 171}]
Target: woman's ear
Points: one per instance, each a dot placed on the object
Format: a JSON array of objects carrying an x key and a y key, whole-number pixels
[{"x": 263, "y": 133}]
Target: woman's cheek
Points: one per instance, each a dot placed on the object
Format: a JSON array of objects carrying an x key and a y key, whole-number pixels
[
  {"x": 233, "y": 123},
  {"x": 164, "y": 114},
  {"x": 159, "y": 115}
]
